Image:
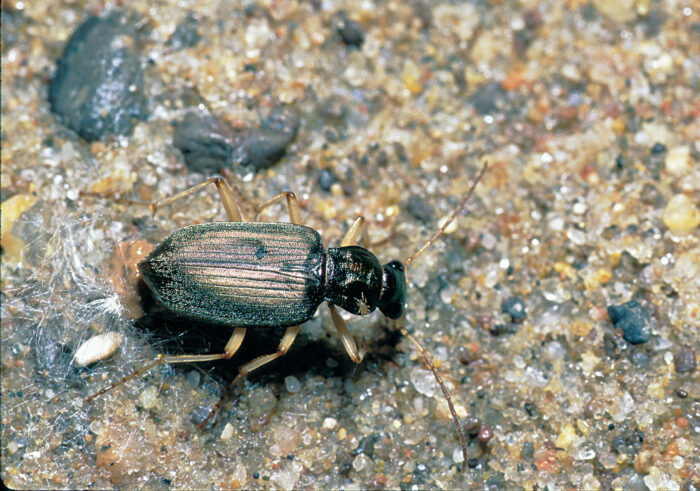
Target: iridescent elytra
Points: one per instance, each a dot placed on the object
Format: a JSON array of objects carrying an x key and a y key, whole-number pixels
[{"x": 251, "y": 275}]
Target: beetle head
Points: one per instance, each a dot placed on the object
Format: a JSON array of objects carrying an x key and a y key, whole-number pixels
[{"x": 392, "y": 301}]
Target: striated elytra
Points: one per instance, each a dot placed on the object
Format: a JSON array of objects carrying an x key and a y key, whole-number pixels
[{"x": 253, "y": 274}]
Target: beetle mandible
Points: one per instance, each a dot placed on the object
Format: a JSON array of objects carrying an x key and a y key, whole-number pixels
[{"x": 259, "y": 274}]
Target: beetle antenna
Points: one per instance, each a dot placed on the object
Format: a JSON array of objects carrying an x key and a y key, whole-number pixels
[
  {"x": 440, "y": 382},
  {"x": 450, "y": 218}
]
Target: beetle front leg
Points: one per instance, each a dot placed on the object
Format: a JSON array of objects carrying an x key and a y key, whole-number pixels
[
  {"x": 287, "y": 340},
  {"x": 345, "y": 336},
  {"x": 358, "y": 229}
]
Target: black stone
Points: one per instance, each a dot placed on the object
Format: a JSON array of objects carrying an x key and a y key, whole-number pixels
[
  {"x": 658, "y": 148},
  {"x": 97, "y": 89},
  {"x": 264, "y": 146},
  {"x": 206, "y": 143},
  {"x": 489, "y": 99},
  {"x": 366, "y": 445},
  {"x": 186, "y": 34},
  {"x": 633, "y": 319},
  {"x": 515, "y": 308},
  {"x": 326, "y": 180},
  {"x": 350, "y": 31}
]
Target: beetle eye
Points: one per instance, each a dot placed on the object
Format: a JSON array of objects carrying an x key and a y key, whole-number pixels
[{"x": 395, "y": 264}]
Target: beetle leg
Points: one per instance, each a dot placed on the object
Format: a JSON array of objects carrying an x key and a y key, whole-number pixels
[
  {"x": 345, "y": 336},
  {"x": 292, "y": 206},
  {"x": 357, "y": 229},
  {"x": 232, "y": 210},
  {"x": 232, "y": 346},
  {"x": 289, "y": 336}
]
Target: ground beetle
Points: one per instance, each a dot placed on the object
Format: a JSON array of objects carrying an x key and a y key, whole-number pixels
[{"x": 257, "y": 274}]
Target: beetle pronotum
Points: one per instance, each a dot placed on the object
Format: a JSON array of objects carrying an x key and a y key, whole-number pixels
[{"x": 258, "y": 274}]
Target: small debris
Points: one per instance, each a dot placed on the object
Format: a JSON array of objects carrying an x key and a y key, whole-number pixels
[
  {"x": 97, "y": 348},
  {"x": 149, "y": 397},
  {"x": 227, "y": 433},
  {"x": 292, "y": 384},
  {"x": 633, "y": 319}
]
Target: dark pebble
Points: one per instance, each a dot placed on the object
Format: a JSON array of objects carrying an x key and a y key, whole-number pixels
[
  {"x": 685, "y": 361},
  {"x": 528, "y": 451},
  {"x": 326, "y": 180},
  {"x": 514, "y": 307},
  {"x": 530, "y": 408},
  {"x": 658, "y": 148},
  {"x": 205, "y": 142},
  {"x": 186, "y": 34},
  {"x": 466, "y": 356},
  {"x": 489, "y": 99},
  {"x": 485, "y": 434},
  {"x": 350, "y": 31},
  {"x": 681, "y": 393},
  {"x": 471, "y": 425},
  {"x": 366, "y": 446},
  {"x": 619, "y": 161},
  {"x": 472, "y": 463},
  {"x": 264, "y": 146},
  {"x": 97, "y": 89},
  {"x": 419, "y": 209},
  {"x": 633, "y": 319}
]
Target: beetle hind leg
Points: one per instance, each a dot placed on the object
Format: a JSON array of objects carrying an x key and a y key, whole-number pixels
[
  {"x": 292, "y": 207},
  {"x": 225, "y": 193}
]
